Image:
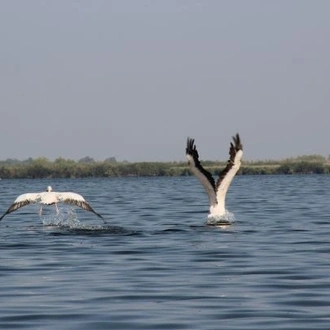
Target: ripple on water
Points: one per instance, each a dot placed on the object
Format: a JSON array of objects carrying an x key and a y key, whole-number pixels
[{"x": 158, "y": 264}]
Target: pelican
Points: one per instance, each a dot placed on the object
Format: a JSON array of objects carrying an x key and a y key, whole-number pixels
[
  {"x": 216, "y": 191},
  {"x": 49, "y": 197}
]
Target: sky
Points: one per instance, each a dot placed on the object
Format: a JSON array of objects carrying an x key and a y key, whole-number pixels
[{"x": 133, "y": 79}]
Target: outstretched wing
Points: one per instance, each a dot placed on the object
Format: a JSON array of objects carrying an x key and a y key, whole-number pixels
[
  {"x": 21, "y": 201},
  {"x": 75, "y": 199},
  {"x": 205, "y": 177},
  {"x": 233, "y": 165}
]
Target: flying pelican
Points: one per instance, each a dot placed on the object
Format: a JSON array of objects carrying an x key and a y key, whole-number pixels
[
  {"x": 216, "y": 191},
  {"x": 50, "y": 197}
]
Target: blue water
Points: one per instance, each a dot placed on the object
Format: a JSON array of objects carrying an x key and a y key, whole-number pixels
[{"x": 155, "y": 264}]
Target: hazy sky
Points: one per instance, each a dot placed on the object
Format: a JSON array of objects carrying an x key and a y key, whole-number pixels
[{"x": 132, "y": 79}]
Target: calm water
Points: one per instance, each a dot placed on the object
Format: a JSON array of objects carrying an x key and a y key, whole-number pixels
[{"x": 156, "y": 265}]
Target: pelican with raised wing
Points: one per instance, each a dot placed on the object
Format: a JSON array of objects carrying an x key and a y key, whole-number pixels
[
  {"x": 216, "y": 191},
  {"x": 50, "y": 197}
]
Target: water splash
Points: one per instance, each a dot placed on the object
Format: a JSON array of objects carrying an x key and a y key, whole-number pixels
[
  {"x": 67, "y": 222},
  {"x": 66, "y": 217},
  {"x": 223, "y": 220}
]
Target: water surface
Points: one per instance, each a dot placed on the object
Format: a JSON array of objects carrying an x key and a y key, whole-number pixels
[{"x": 155, "y": 264}]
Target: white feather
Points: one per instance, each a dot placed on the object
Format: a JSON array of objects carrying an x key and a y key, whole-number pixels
[
  {"x": 203, "y": 180},
  {"x": 221, "y": 190}
]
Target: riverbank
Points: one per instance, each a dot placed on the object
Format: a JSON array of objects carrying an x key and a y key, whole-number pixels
[{"x": 66, "y": 168}]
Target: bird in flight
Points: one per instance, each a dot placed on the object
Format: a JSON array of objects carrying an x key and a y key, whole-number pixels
[
  {"x": 216, "y": 191},
  {"x": 50, "y": 197}
]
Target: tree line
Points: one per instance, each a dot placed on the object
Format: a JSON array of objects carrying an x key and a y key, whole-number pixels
[{"x": 88, "y": 167}]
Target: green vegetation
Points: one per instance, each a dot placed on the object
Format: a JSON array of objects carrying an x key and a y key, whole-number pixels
[{"x": 88, "y": 167}]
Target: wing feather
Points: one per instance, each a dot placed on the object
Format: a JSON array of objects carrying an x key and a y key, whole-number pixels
[
  {"x": 233, "y": 165},
  {"x": 76, "y": 199},
  {"x": 204, "y": 176},
  {"x": 22, "y": 200}
]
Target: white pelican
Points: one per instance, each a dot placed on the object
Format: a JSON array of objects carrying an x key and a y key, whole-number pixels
[
  {"x": 216, "y": 191},
  {"x": 50, "y": 197}
]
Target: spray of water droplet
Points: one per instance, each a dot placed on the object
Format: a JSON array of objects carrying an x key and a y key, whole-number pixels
[{"x": 226, "y": 219}]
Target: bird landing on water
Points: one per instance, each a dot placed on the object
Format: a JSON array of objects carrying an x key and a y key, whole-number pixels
[
  {"x": 50, "y": 197},
  {"x": 216, "y": 191}
]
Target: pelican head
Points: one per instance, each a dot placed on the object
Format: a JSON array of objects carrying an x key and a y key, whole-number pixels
[{"x": 49, "y": 189}]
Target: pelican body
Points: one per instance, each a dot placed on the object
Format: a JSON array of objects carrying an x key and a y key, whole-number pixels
[
  {"x": 216, "y": 191},
  {"x": 49, "y": 197}
]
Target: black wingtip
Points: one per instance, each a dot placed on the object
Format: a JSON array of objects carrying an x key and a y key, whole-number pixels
[
  {"x": 190, "y": 145},
  {"x": 237, "y": 142},
  {"x": 100, "y": 216}
]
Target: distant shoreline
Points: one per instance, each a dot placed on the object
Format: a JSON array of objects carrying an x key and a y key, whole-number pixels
[{"x": 87, "y": 167}]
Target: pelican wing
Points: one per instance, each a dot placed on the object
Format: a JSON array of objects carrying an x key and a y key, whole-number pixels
[
  {"x": 205, "y": 177},
  {"x": 21, "y": 201},
  {"x": 75, "y": 199},
  {"x": 233, "y": 165}
]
